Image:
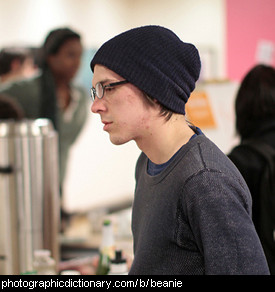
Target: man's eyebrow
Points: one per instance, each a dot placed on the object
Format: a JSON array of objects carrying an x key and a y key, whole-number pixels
[{"x": 106, "y": 81}]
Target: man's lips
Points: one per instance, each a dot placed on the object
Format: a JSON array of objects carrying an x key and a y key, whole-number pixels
[{"x": 106, "y": 125}]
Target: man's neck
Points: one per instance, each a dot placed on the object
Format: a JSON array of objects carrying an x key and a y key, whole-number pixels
[{"x": 165, "y": 139}]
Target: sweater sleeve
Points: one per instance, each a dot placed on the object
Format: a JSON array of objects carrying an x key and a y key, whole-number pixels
[{"x": 218, "y": 211}]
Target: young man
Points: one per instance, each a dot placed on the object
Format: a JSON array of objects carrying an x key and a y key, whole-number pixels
[{"x": 192, "y": 208}]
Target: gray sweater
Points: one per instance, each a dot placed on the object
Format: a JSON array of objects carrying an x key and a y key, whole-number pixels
[{"x": 194, "y": 217}]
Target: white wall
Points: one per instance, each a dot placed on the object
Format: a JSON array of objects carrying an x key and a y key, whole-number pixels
[
  {"x": 100, "y": 172},
  {"x": 199, "y": 21}
]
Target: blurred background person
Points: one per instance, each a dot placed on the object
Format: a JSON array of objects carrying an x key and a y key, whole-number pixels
[
  {"x": 255, "y": 121},
  {"x": 52, "y": 94},
  {"x": 10, "y": 109},
  {"x": 16, "y": 63}
]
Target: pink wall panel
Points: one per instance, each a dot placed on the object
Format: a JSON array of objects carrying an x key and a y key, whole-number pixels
[{"x": 249, "y": 22}]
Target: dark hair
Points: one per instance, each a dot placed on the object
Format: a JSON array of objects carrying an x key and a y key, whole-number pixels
[
  {"x": 8, "y": 55},
  {"x": 53, "y": 42},
  {"x": 10, "y": 109},
  {"x": 255, "y": 100},
  {"x": 164, "y": 111}
]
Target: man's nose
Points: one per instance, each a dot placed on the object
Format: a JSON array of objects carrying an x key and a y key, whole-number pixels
[{"x": 98, "y": 106}]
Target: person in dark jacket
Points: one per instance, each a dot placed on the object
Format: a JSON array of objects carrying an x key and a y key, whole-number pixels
[
  {"x": 255, "y": 119},
  {"x": 192, "y": 208}
]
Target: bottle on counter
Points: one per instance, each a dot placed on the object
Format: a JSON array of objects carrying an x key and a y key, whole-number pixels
[
  {"x": 107, "y": 248},
  {"x": 118, "y": 265},
  {"x": 43, "y": 263}
]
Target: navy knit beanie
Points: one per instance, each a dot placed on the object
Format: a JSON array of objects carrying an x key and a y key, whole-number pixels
[{"x": 156, "y": 61}]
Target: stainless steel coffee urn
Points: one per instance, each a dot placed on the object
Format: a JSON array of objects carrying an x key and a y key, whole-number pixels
[{"x": 29, "y": 193}]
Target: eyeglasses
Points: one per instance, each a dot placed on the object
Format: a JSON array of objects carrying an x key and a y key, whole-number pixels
[{"x": 98, "y": 90}]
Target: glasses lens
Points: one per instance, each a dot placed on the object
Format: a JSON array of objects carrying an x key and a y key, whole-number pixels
[{"x": 99, "y": 90}]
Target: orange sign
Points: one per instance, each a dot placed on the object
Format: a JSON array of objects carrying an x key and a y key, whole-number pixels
[{"x": 199, "y": 111}]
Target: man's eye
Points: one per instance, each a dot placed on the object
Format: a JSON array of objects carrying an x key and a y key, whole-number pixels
[{"x": 109, "y": 88}]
